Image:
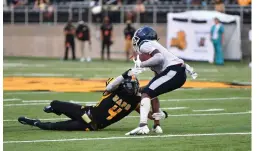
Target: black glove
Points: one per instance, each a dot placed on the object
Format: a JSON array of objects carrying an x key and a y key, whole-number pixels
[
  {"x": 166, "y": 114},
  {"x": 125, "y": 74}
]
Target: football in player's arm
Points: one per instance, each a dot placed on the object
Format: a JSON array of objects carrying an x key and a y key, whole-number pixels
[
  {"x": 120, "y": 98},
  {"x": 169, "y": 72}
]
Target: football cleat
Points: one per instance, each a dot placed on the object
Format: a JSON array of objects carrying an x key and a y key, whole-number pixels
[
  {"x": 157, "y": 129},
  {"x": 27, "y": 121},
  {"x": 139, "y": 131},
  {"x": 48, "y": 109}
]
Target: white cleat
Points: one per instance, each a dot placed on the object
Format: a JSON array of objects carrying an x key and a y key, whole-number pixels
[
  {"x": 139, "y": 131},
  {"x": 157, "y": 130}
]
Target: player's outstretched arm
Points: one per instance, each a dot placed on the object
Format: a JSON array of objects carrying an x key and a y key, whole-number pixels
[{"x": 118, "y": 80}]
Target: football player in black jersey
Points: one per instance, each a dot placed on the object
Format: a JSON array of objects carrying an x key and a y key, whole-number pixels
[{"x": 121, "y": 97}]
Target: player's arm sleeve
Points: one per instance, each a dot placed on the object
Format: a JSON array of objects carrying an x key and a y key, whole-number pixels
[
  {"x": 155, "y": 60},
  {"x": 114, "y": 84}
]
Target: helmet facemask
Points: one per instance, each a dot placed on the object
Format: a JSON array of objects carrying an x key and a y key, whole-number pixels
[
  {"x": 135, "y": 43},
  {"x": 131, "y": 87}
]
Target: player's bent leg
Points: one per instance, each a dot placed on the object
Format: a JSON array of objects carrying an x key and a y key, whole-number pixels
[
  {"x": 27, "y": 121},
  {"x": 71, "y": 110},
  {"x": 145, "y": 105},
  {"x": 70, "y": 125}
]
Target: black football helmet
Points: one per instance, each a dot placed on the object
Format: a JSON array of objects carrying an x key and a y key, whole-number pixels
[{"x": 130, "y": 86}]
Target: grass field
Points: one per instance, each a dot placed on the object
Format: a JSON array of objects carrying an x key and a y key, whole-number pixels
[{"x": 206, "y": 119}]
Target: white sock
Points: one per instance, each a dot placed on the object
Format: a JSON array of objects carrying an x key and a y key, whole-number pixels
[{"x": 144, "y": 110}]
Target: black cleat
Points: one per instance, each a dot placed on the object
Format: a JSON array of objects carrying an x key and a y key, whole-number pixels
[
  {"x": 166, "y": 114},
  {"x": 27, "y": 121},
  {"x": 48, "y": 109}
]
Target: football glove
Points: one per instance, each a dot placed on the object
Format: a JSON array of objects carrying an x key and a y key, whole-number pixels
[
  {"x": 160, "y": 116},
  {"x": 131, "y": 72},
  {"x": 137, "y": 62},
  {"x": 190, "y": 70}
]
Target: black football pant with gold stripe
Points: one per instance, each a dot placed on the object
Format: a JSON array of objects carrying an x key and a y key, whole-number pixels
[{"x": 71, "y": 110}]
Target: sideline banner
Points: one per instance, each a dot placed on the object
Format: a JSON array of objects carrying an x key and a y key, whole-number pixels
[
  {"x": 189, "y": 41},
  {"x": 188, "y": 35}
]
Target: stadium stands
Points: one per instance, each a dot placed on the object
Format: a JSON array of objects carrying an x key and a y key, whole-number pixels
[{"x": 79, "y": 9}]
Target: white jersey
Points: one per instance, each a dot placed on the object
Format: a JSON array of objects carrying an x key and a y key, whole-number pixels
[{"x": 169, "y": 58}]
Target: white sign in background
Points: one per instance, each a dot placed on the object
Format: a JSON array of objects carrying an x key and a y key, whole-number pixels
[{"x": 194, "y": 35}]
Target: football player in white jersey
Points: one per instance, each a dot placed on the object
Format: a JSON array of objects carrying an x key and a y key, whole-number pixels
[{"x": 169, "y": 73}]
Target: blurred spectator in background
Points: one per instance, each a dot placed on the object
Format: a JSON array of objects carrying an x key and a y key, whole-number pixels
[
  {"x": 69, "y": 32},
  {"x": 40, "y": 4},
  {"x": 188, "y": 2},
  {"x": 106, "y": 36},
  {"x": 244, "y": 2},
  {"x": 129, "y": 16},
  {"x": 196, "y": 2},
  {"x": 204, "y": 3},
  {"x": 83, "y": 35},
  {"x": 128, "y": 33},
  {"x": 217, "y": 37},
  {"x": 140, "y": 7},
  {"x": 219, "y": 6},
  {"x": 250, "y": 39},
  {"x": 16, "y": 3}
]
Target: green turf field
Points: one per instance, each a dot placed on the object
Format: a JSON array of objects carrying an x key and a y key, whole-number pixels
[{"x": 206, "y": 119}]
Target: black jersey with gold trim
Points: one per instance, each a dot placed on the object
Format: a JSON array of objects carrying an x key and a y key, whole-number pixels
[{"x": 113, "y": 107}]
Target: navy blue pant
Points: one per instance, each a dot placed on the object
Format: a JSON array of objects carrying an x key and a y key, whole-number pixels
[{"x": 173, "y": 77}]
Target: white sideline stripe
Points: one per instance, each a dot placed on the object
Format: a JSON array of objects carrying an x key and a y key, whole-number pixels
[
  {"x": 41, "y": 74},
  {"x": 174, "y": 108},
  {"x": 170, "y": 100},
  {"x": 28, "y": 104},
  {"x": 176, "y": 115},
  {"x": 207, "y": 99},
  {"x": 36, "y": 101},
  {"x": 12, "y": 93},
  {"x": 48, "y": 101},
  {"x": 210, "y": 114},
  {"x": 43, "y": 103},
  {"x": 13, "y": 99},
  {"x": 129, "y": 137},
  {"x": 208, "y": 110}
]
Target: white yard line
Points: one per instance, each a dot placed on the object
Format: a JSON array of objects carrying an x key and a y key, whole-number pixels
[
  {"x": 129, "y": 137},
  {"x": 174, "y": 108},
  {"x": 176, "y": 115},
  {"x": 36, "y": 101},
  {"x": 25, "y": 104},
  {"x": 207, "y": 99},
  {"x": 13, "y": 99},
  {"x": 29, "y": 92},
  {"x": 44, "y": 102},
  {"x": 41, "y": 74},
  {"x": 208, "y": 110}
]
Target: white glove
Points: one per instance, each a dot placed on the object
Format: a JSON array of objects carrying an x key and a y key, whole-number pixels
[
  {"x": 159, "y": 116},
  {"x": 137, "y": 62},
  {"x": 135, "y": 71},
  {"x": 190, "y": 71}
]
